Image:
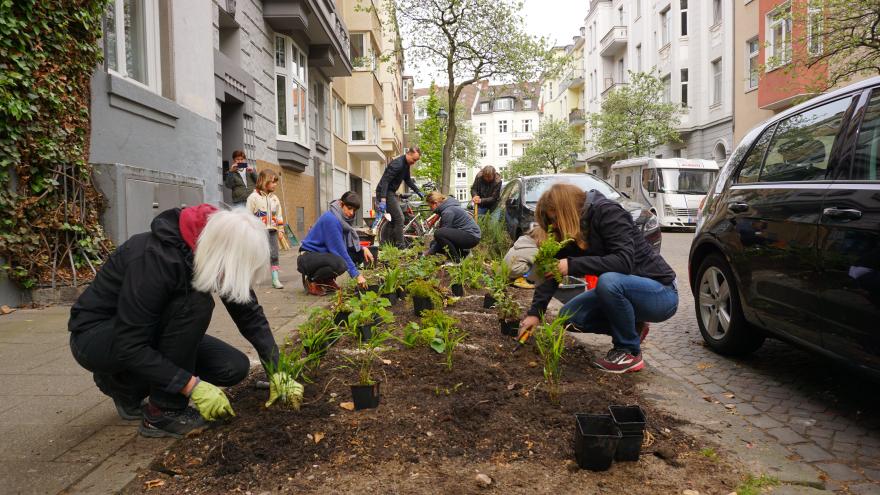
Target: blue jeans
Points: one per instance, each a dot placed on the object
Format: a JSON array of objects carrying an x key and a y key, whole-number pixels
[
  {"x": 617, "y": 303},
  {"x": 482, "y": 210}
]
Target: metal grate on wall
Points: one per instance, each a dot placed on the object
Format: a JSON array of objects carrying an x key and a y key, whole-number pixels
[{"x": 250, "y": 140}]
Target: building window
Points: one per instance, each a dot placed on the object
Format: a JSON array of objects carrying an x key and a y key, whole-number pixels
[
  {"x": 406, "y": 91},
  {"x": 590, "y": 38},
  {"x": 502, "y": 149},
  {"x": 358, "y": 122},
  {"x": 684, "y": 17},
  {"x": 482, "y": 128},
  {"x": 684, "y": 88},
  {"x": 460, "y": 174},
  {"x": 527, "y": 125},
  {"x": 484, "y": 106},
  {"x": 621, "y": 20},
  {"x": 665, "y": 27},
  {"x": 752, "y": 63},
  {"x": 595, "y": 86},
  {"x": 621, "y": 71},
  {"x": 778, "y": 50},
  {"x": 503, "y": 104},
  {"x": 131, "y": 41},
  {"x": 716, "y": 82},
  {"x": 617, "y": 181},
  {"x": 592, "y": 88},
  {"x": 291, "y": 91},
  {"x": 405, "y": 123},
  {"x": 338, "y": 118},
  {"x": 421, "y": 109},
  {"x": 815, "y": 19},
  {"x": 502, "y": 126},
  {"x": 482, "y": 150},
  {"x": 319, "y": 114},
  {"x": 639, "y": 57},
  {"x": 716, "y": 12},
  {"x": 362, "y": 56},
  {"x": 551, "y": 90},
  {"x": 667, "y": 96},
  {"x": 375, "y": 137},
  {"x": 527, "y": 104}
]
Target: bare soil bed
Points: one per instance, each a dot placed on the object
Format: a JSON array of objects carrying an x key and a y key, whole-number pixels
[{"x": 435, "y": 430}]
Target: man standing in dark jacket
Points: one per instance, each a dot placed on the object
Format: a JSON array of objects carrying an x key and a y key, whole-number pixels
[
  {"x": 486, "y": 189},
  {"x": 241, "y": 178},
  {"x": 397, "y": 172},
  {"x": 140, "y": 326}
]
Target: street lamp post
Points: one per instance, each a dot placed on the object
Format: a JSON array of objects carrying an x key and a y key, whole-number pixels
[{"x": 443, "y": 116}]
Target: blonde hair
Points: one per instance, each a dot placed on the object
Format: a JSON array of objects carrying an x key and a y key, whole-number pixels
[
  {"x": 435, "y": 197},
  {"x": 266, "y": 176},
  {"x": 232, "y": 255},
  {"x": 564, "y": 203}
]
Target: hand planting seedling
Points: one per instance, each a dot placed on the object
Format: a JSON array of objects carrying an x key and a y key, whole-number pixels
[
  {"x": 447, "y": 335},
  {"x": 283, "y": 376},
  {"x": 545, "y": 260},
  {"x": 550, "y": 340}
]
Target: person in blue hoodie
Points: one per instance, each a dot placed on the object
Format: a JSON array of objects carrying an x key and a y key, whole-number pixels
[
  {"x": 332, "y": 247},
  {"x": 458, "y": 230}
]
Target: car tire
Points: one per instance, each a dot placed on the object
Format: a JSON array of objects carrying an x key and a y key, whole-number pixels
[{"x": 716, "y": 301}]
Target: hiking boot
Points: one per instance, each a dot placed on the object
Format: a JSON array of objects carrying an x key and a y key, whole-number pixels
[
  {"x": 620, "y": 361},
  {"x": 522, "y": 283},
  {"x": 128, "y": 410},
  {"x": 643, "y": 328},
  {"x": 175, "y": 424}
]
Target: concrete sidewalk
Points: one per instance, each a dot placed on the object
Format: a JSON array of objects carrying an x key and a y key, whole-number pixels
[{"x": 60, "y": 434}]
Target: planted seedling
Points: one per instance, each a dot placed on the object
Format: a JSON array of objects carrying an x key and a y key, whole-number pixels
[
  {"x": 545, "y": 260},
  {"x": 391, "y": 280},
  {"x": 508, "y": 309},
  {"x": 368, "y": 311},
  {"x": 447, "y": 335},
  {"x": 499, "y": 279},
  {"x": 425, "y": 292},
  {"x": 289, "y": 369},
  {"x": 318, "y": 333},
  {"x": 414, "y": 335},
  {"x": 390, "y": 255},
  {"x": 473, "y": 269},
  {"x": 550, "y": 341}
]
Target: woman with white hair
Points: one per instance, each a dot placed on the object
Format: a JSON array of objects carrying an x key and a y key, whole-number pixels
[{"x": 140, "y": 326}]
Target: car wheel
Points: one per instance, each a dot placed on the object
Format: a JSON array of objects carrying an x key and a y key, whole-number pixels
[{"x": 721, "y": 321}]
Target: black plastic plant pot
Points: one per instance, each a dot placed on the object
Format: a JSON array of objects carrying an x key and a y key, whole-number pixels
[
  {"x": 401, "y": 293},
  {"x": 366, "y": 332},
  {"x": 631, "y": 421},
  {"x": 365, "y": 396},
  {"x": 422, "y": 304},
  {"x": 392, "y": 297},
  {"x": 596, "y": 440},
  {"x": 509, "y": 327},
  {"x": 341, "y": 317},
  {"x": 457, "y": 290},
  {"x": 488, "y": 301}
]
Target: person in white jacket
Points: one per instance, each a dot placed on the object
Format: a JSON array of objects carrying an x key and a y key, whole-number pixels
[
  {"x": 520, "y": 258},
  {"x": 264, "y": 204}
]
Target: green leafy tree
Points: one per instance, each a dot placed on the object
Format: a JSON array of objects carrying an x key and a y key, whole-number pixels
[
  {"x": 469, "y": 40},
  {"x": 634, "y": 119},
  {"x": 430, "y": 135},
  {"x": 551, "y": 149}
]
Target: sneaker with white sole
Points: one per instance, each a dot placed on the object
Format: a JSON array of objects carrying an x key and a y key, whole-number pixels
[
  {"x": 620, "y": 361},
  {"x": 168, "y": 423}
]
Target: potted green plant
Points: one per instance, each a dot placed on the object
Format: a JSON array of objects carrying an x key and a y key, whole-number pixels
[
  {"x": 425, "y": 295},
  {"x": 550, "y": 341},
  {"x": 367, "y": 312},
  {"x": 509, "y": 312},
  {"x": 365, "y": 393},
  {"x": 545, "y": 259},
  {"x": 457, "y": 279},
  {"x": 497, "y": 283},
  {"x": 390, "y": 284},
  {"x": 446, "y": 334},
  {"x": 318, "y": 332}
]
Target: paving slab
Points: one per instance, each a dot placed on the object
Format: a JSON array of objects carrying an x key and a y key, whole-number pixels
[
  {"x": 37, "y": 477},
  {"x": 39, "y": 443}
]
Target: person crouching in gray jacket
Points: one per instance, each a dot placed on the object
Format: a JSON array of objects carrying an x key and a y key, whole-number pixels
[{"x": 457, "y": 231}]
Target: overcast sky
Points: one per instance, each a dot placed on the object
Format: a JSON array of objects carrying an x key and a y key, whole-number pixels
[{"x": 558, "y": 20}]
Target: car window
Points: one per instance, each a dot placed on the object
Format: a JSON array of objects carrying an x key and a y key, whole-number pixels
[
  {"x": 802, "y": 144},
  {"x": 752, "y": 165},
  {"x": 535, "y": 186},
  {"x": 867, "y": 156}
]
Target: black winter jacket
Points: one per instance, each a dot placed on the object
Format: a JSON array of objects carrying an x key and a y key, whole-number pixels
[
  {"x": 137, "y": 283},
  {"x": 452, "y": 215},
  {"x": 614, "y": 244},
  {"x": 489, "y": 192},
  {"x": 395, "y": 173},
  {"x": 240, "y": 189}
]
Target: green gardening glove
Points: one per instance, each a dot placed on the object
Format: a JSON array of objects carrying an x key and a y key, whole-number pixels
[
  {"x": 211, "y": 401},
  {"x": 282, "y": 386}
]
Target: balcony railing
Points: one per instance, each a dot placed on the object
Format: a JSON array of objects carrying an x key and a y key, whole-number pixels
[
  {"x": 574, "y": 78},
  {"x": 614, "y": 41},
  {"x": 577, "y": 117},
  {"x": 611, "y": 85},
  {"x": 523, "y": 136}
]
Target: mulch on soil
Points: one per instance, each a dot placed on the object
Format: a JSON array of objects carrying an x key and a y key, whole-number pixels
[{"x": 435, "y": 429}]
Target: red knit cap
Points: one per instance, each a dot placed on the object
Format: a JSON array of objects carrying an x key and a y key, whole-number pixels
[{"x": 192, "y": 222}]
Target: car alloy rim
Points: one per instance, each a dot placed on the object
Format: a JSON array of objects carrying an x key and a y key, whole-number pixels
[{"x": 714, "y": 303}]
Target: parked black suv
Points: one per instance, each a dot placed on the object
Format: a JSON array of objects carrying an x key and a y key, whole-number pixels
[
  {"x": 788, "y": 238},
  {"x": 520, "y": 196}
]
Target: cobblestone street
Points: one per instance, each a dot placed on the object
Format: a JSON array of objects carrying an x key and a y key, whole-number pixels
[{"x": 823, "y": 414}]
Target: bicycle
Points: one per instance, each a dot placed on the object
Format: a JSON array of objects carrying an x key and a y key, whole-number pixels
[{"x": 416, "y": 222}]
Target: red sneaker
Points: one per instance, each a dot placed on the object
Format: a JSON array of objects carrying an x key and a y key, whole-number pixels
[
  {"x": 620, "y": 361},
  {"x": 643, "y": 328},
  {"x": 316, "y": 289}
]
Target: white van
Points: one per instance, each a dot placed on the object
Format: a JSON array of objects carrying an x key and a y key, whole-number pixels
[{"x": 673, "y": 187}]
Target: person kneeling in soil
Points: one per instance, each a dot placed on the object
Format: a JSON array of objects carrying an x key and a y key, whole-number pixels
[
  {"x": 521, "y": 257},
  {"x": 635, "y": 285},
  {"x": 458, "y": 230},
  {"x": 140, "y": 326},
  {"x": 331, "y": 247}
]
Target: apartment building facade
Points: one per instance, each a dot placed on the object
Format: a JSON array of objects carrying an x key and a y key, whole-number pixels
[
  {"x": 688, "y": 44},
  {"x": 563, "y": 97}
]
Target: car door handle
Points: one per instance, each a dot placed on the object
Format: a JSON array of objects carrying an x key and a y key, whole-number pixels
[
  {"x": 736, "y": 207},
  {"x": 842, "y": 213}
]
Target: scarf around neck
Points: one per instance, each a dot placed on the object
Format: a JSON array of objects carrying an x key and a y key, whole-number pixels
[{"x": 352, "y": 241}]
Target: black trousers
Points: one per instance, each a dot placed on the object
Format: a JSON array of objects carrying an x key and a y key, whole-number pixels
[
  {"x": 180, "y": 338},
  {"x": 392, "y": 203},
  {"x": 325, "y": 266},
  {"x": 451, "y": 241}
]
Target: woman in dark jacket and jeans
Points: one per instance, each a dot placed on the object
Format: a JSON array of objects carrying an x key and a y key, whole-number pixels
[
  {"x": 486, "y": 189},
  {"x": 458, "y": 230},
  {"x": 635, "y": 283}
]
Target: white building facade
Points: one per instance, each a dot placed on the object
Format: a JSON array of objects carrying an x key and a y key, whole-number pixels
[{"x": 688, "y": 44}]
